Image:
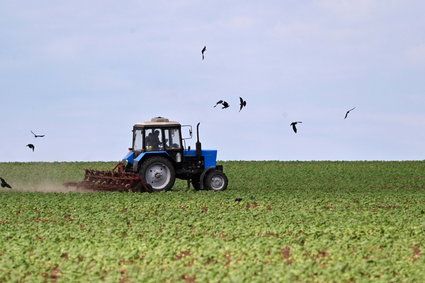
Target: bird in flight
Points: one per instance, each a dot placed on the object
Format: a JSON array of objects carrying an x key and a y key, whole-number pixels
[
  {"x": 346, "y": 114},
  {"x": 203, "y": 51},
  {"x": 31, "y": 146},
  {"x": 225, "y": 105},
  {"x": 294, "y": 127},
  {"x": 4, "y": 184},
  {"x": 242, "y": 103},
  {"x": 222, "y": 102},
  {"x": 218, "y": 102},
  {"x": 37, "y": 136}
]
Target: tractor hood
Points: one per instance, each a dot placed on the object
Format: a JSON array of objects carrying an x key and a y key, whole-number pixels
[{"x": 210, "y": 156}]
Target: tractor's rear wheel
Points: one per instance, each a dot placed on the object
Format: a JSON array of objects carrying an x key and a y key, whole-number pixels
[
  {"x": 216, "y": 181},
  {"x": 159, "y": 173}
]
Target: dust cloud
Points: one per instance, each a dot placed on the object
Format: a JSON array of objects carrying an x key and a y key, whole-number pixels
[{"x": 50, "y": 188}]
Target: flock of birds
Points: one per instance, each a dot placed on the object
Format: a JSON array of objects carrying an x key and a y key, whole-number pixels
[
  {"x": 31, "y": 146},
  {"x": 242, "y": 102},
  {"x": 225, "y": 104}
]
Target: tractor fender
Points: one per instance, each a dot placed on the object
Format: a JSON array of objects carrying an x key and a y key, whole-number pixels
[{"x": 205, "y": 172}]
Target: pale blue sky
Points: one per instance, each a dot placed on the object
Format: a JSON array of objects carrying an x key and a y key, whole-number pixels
[{"x": 83, "y": 72}]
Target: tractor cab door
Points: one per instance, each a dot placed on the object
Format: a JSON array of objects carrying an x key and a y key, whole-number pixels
[
  {"x": 173, "y": 143},
  {"x": 172, "y": 139}
]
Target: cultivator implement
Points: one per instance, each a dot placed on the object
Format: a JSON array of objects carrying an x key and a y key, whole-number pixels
[{"x": 114, "y": 180}]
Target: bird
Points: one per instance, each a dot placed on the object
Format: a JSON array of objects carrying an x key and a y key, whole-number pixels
[
  {"x": 4, "y": 184},
  {"x": 218, "y": 102},
  {"x": 37, "y": 136},
  {"x": 223, "y": 103},
  {"x": 238, "y": 199},
  {"x": 31, "y": 146},
  {"x": 294, "y": 127},
  {"x": 242, "y": 103},
  {"x": 203, "y": 51},
  {"x": 346, "y": 114}
]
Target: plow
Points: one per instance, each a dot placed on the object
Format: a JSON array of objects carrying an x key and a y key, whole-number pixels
[{"x": 111, "y": 180}]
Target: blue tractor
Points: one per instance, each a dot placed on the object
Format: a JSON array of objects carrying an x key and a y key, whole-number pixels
[{"x": 158, "y": 156}]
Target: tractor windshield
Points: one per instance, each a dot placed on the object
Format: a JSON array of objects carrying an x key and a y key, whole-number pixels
[
  {"x": 138, "y": 140},
  {"x": 153, "y": 138},
  {"x": 156, "y": 139}
]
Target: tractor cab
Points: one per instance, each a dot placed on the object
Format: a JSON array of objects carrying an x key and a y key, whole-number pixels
[{"x": 157, "y": 135}]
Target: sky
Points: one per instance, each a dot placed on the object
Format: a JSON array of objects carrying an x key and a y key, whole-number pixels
[{"x": 84, "y": 72}]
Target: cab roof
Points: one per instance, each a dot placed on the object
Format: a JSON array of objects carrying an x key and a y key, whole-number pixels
[{"x": 158, "y": 121}]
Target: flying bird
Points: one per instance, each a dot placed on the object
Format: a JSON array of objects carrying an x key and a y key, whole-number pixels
[
  {"x": 346, "y": 114},
  {"x": 31, "y": 146},
  {"x": 218, "y": 102},
  {"x": 242, "y": 103},
  {"x": 37, "y": 136},
  {"x": 294, "y": 127},
  {"x": 223, "y": 103},
  {"x": 4, "y": 184},
  {"x": 203, "y": 51}
]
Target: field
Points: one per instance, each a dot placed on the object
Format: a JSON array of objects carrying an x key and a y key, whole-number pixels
[{"x": 297, "y": 221}]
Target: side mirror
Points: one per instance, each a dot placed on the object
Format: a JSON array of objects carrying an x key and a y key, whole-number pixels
[{"x": 186, "y": 132}]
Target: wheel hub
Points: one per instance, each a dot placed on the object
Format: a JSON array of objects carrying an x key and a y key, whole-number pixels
[
  {"x": 157, "y": 175},
  {"x": 217, "y": 182}
]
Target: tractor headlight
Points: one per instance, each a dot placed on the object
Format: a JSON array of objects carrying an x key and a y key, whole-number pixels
[{"x": 178, "y": 157}]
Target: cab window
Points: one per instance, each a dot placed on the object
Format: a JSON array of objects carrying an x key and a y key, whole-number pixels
[
  {"x": 172, "y": 139},
  {"x": 153, "y": 139},
  {"x": 138, "y": 140}
]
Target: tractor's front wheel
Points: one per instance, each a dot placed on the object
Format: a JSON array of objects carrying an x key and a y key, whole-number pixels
[
  {"x": 216, "y": 181},
  {"x": 159, "y": 173}
]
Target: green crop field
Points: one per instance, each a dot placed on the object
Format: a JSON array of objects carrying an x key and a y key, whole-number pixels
[{"x": 297, "y": 221}]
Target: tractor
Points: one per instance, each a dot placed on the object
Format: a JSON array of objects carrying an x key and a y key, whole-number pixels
[{"x": 157, "y": 157}]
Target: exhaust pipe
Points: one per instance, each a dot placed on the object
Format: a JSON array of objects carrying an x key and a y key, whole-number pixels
[{"x": 198, "y": 143}]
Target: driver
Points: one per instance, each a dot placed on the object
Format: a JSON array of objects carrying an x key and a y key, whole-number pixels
[{"x": 153, "y": 140}]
